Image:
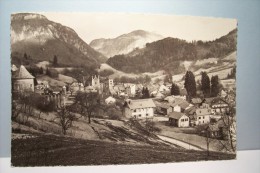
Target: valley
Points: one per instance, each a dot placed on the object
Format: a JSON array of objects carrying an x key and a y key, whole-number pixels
[{"x": 133, "y": 99}]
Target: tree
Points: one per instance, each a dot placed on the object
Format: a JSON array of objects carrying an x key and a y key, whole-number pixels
[
  {"x": 25, "y": 56},
  {"x": 205, "y": 84},
  {"x": 89, "y": 103},
  {"x": 190, "y": 84},
  {"x": 175, "y": 90},
  {"x": 232, "y": 74},
  {"x": 66, "y": 117},
  {"x": 215, "y": 86},
  {"x": 145, "y": 93},
  {"x": 55, "y": 61}
]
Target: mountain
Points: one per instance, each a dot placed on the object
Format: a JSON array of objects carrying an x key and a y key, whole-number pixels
[
  {"x": 124, "y": 43},
  {"x": 169, "y": 54},
  {"x": 41, "y": 39}
]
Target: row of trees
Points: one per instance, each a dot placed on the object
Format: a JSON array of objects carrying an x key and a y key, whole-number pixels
[
  {"x": 140, "y": 79},
  {"x": 210, "y": 88}
]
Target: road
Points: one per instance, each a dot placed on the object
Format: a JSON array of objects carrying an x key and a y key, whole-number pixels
[{"x": 179, "y": 143}]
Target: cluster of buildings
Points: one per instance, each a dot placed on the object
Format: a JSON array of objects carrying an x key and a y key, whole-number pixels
[{"x": 180, "y": 112}]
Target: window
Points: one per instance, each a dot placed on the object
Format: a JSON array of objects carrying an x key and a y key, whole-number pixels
[
  {"x": 147, "y": 114},
  {"x": 140, "y": 115},
  {"x": 199, "y": 118},
  {"x": 135, "y": 110},
  {"x": 203, "y": 117}
]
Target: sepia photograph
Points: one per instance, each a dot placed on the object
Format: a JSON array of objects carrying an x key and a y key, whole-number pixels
[{"x": 122, "y": 88}]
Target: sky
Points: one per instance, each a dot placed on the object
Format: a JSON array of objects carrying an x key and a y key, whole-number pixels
[{"x": 90, "y": 26}]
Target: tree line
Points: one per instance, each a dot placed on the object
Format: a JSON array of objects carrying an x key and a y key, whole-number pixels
[
  {"x": 170, "y": 52},
  {"x": 209, "y": 87}
]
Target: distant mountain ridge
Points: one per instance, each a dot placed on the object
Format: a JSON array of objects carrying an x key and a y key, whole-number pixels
[
  {"x": 41, "y": 38},
  {"x": 167, "y": 54},
  {"x": 125, "y": 43}
]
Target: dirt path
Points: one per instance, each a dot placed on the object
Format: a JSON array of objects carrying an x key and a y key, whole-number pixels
[{"x": 179, "y": 143}]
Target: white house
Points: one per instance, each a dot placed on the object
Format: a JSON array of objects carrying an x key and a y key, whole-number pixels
[
  {"x": 179, "y": 105},
  {"x": 139, "y": 109},
  {"x": 178, "y": 119},
  {"x": 202, "y": 116},
  {"x": 110, "y": 100},
  {"x": 22, "y": 80}
]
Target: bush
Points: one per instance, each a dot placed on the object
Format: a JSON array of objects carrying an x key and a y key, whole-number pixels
[
  {"x": 106, "y": 72},
  {"x": 52, "y": 73}
]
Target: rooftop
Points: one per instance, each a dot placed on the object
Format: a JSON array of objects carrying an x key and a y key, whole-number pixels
[
  {"x": 22, "y": 73},
  {"x": 140, "y": 103},
  {"x": 176, "y": 115}
]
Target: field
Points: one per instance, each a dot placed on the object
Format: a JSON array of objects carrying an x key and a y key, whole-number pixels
[
  {"x": 189, "y": 135},
  {"x": 50, "y": 150}
]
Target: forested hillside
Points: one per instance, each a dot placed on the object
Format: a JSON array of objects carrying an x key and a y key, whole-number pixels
[{"x": 167, "y": 54}]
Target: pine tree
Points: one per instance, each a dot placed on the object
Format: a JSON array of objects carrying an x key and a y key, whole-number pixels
[
  {"x": 190, "y": 84},
  {"x": 205, "y": 84},
  {"x": 215, "y": 86},
  {"x": 147, "y": 94},
  {"x": 55, "y": 61},
  {"x": 175, "y": 90}
]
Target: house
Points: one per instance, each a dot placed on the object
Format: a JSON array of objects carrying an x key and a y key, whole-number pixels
[
  {"x": 223, "y": 94},
  {"x": 171, "y": 98},
  {"x": 179, "y": 105},
  {"x": 217, "y": 104},
  {"x": 139, "y": 109},
  {"x": 42, "y": 84},
  {"x": 76, "y": 86},
  {"x": 202, "y": 116},
  {"x": 196, "y": 101},
  {"x": 110, "y": 100},
  {"x": 22, "y": 80},
  {"x": 164, "y": 108},
  {"x": 178, "y": 119}
]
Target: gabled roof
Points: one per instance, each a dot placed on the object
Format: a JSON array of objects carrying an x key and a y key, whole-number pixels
[
  {"x": 190, "y": 110},
  {"x": 176, "y": 102},
  {"x": 203, "y": 111},
  {"x": 176, "y": 115},
  {"x": 22, "y": 73},
  {"x": 184, "y": 104},
  {"x": 140, "y": 103},
  {"x": 196, "y": 100},
  {"x": 163, "y": 105},
  {"x": 213, "y": 100}
]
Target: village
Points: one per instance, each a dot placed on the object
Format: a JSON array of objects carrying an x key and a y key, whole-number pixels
[{"x": 178, "y": 116}]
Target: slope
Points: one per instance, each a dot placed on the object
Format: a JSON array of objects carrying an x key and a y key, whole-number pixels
[{"x": 41, "y": 39}]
